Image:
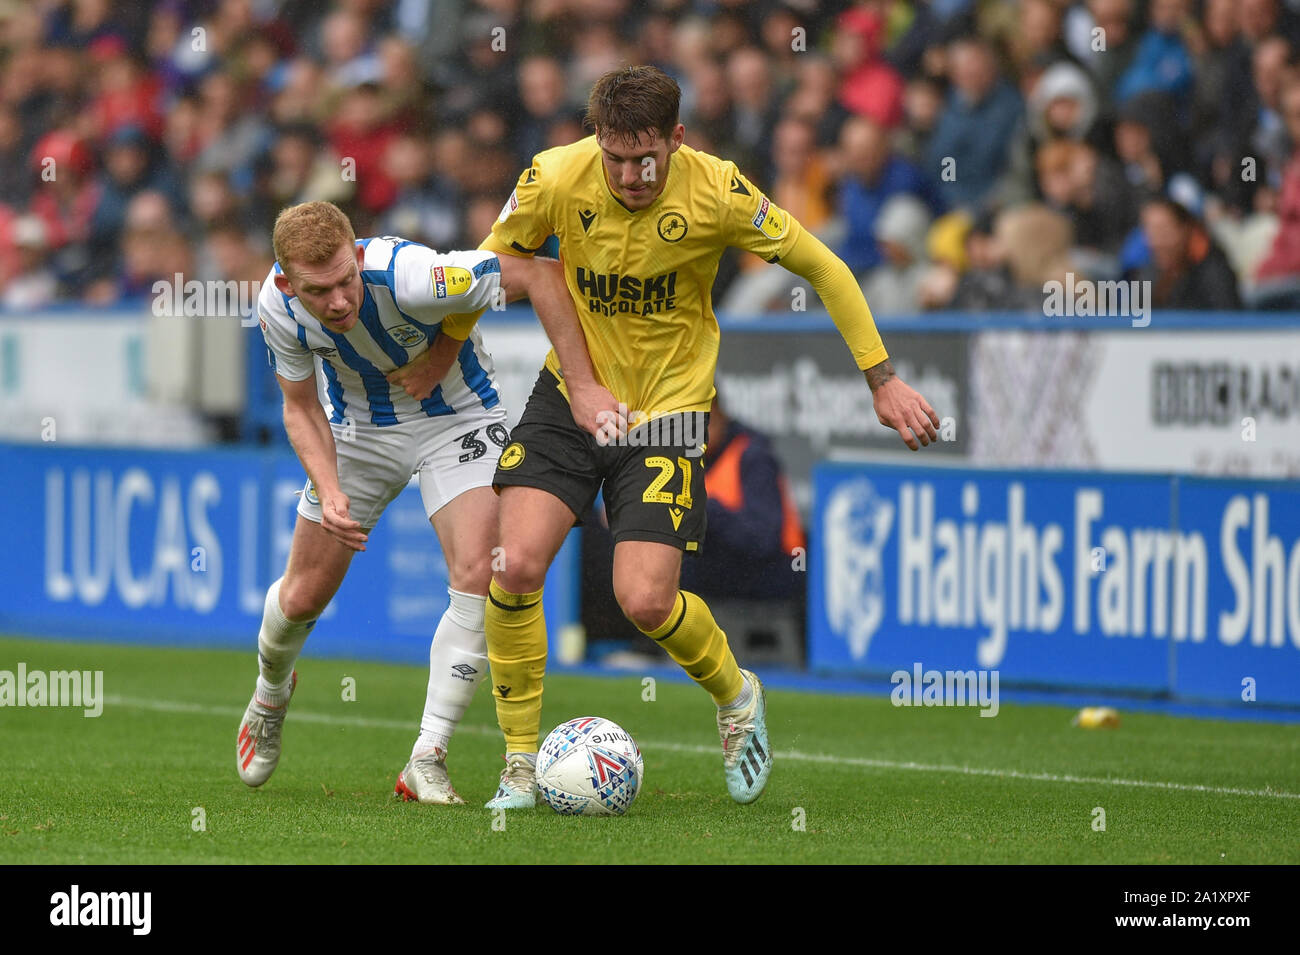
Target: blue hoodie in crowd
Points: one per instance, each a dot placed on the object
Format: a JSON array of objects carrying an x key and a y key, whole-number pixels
[
  {"x": 977, "y": 137},
  {"x": 1161, "y": 64},
  {"x": 860, "y": 205}
]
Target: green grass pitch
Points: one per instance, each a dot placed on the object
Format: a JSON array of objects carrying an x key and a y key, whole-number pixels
[{"x": 869, "y": 782}]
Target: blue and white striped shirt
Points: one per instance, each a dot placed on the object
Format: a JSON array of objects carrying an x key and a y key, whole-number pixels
[{"x": 408, "y": 289}]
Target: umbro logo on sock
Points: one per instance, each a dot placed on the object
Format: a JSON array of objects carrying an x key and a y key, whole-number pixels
[{"x": 463, "y": 671}]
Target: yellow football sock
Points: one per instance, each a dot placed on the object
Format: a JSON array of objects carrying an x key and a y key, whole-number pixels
[
  {"x": 697, "y": 644},
  {"x": 516, "y": 644}
]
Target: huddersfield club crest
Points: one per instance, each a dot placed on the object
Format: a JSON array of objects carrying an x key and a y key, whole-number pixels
[{"x": 406, "y": 335}]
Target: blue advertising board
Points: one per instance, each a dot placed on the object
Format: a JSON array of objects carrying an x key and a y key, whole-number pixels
[
  {"x": 1251, "y": 535},
  {"x": 1129, "y": 582},
  {"x": 178, "y": 548}
]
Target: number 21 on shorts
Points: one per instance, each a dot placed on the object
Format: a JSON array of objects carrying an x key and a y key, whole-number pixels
[{"x": 655, "y": 494}]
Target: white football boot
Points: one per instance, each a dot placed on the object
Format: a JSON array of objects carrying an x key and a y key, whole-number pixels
[
  {"x": 257, "y": 750},
  {"x": 518, "y": 787},
  {"x": 425, "y": 779},
  {"x": 746, "y": 752}
]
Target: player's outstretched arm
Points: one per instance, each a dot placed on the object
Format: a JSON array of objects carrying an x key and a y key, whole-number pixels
[
  {"x": 898, "y": 405},
  {"x": 309, "y": 433},
  {"x": 541, "y": 280}
]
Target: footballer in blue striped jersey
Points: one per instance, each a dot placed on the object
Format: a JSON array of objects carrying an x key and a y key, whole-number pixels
[{"x": 409, "y": 391}]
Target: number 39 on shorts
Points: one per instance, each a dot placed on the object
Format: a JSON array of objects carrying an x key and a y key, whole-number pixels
[{"x": 655, "y": 493}]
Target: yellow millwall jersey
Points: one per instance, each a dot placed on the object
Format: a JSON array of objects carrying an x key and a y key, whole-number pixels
[{"x": 641, "y": 281}]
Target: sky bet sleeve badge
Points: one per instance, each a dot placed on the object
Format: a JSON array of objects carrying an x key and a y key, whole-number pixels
[
  {"x": 769, "y": 220},
  {"x": 449, "y": 280}
]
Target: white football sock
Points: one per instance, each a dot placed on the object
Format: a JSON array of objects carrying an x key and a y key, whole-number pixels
[
  {"x": 457, "y": 662},
  {"x": 278, "y": 644},
  {"x": 746, "y": 694}
]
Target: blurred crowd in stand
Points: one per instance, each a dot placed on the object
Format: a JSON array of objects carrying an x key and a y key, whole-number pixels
[{"x": 956, "y": 154}]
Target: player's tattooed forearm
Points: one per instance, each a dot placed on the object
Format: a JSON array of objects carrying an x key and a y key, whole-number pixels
[{"x": 877, "y": 375}]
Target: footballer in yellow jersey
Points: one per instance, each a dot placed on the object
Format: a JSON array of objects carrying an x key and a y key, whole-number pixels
[
  {"x": 641, "y": 279},
  {"x": 642, "y": 220}
]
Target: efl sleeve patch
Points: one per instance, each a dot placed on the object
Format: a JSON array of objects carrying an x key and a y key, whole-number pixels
[
  {"x": 511, "y": 205},
  {"x": 770, "y": 220},
  {"x": 451, "y": 280},
  {"x": 525, "y": 219}
]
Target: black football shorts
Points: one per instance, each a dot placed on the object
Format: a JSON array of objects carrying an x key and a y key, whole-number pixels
[{"x": 653, "y": 478}]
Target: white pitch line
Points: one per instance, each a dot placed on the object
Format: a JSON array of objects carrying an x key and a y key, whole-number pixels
[{"x": 177, "y": 706}]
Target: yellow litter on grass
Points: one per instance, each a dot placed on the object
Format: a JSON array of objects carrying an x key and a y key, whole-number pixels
[{"x": 1096, "y": 717}]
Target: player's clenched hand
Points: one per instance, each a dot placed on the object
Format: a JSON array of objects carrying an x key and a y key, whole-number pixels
[
  {"x": 419, "y": 376},
  {"x": 337, "y": 520},
  {"x": 596, "y": 410},
  {"x": 901, "y": 407}
]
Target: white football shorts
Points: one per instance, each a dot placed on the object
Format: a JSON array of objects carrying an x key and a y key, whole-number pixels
[{"x": 450, "y": 454}]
